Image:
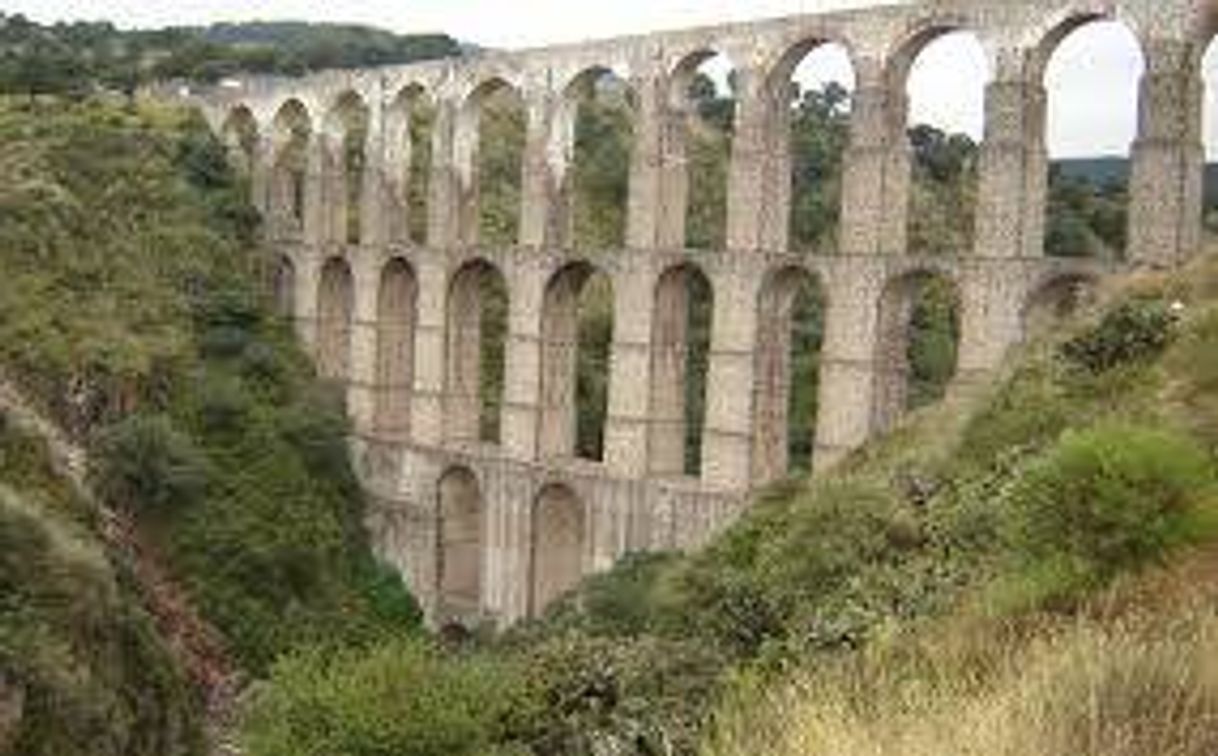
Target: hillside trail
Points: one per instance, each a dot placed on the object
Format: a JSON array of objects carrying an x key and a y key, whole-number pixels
[{"x": 197, "y": 645}]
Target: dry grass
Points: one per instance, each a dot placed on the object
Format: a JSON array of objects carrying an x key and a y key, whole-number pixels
[{"x": 1135, "y": 674}]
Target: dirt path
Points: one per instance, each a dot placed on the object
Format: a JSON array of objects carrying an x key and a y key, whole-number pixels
[{"x": 196, "y": 644}]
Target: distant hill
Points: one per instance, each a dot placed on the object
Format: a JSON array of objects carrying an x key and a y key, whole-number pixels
[
  {"x": 1108, "y": 170},
  {"x": 80, "y": 57}
]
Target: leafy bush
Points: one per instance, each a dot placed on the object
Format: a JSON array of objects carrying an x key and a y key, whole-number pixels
[
  {"x": 144, "y": 462},
  {"x": 1112, "y": 498},
  {"x": 403, "y": 698},
  {"x": 582, "y": 695},
  {"x": 1134, "y": 331}
]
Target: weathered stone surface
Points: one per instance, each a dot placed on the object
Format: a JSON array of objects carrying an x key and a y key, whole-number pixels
[{"x": 494, "y": 530}]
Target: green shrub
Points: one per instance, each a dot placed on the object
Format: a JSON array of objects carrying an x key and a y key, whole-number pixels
[
  {"x": 1134, "y": 331},
  {"x": 145, "y": 463},
  {"x": 1111, "y": 498},
  {"x": 400, "y": 699},
  {"x": 582, "y": 695}
]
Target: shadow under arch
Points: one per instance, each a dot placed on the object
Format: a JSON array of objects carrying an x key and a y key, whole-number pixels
[
  {"x": 791, "y": 307},
  {"x": 396, "y": 317},
  {"x": 477, "y": 313},
  {"x": 460, "y": 545},
  {"x": 335, "y": 310},
  {"x": 576, "y": 336},
  {"x": 557, "y": 545},
  {"x": 680, "y": 348}
]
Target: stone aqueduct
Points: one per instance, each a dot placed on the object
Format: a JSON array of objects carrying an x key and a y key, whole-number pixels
[{"x": 494, "y": 530}]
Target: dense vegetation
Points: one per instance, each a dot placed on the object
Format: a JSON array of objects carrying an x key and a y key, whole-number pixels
[
  {"x": 80, "y": 57},
  {"x": 131, "y": 312},
  {"x": 944, "y": 567}
]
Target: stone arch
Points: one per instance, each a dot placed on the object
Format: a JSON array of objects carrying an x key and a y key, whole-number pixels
[
  {"x": 460, "y": 546},
  {"x": 240, "y": 136},
  {"x": 477, "y": 336},
  {"x": 1087, "y": 207},
  {"x": 292, "y": 139},
  {"x": 395, "y": 327},
  {"x": 409, "y": 149},
  {"x": 680, "y": 346},
  {"x": 335, "y": 308},
  {"x": 697, "y": 144},
  {"x": 283, "y": 287},
  {"x": 576, "y": 342},
  {"x": 1056, "y": 298},
  {"x": 491, "y": 180},
  {"x": 345, "y": 166},
  {"x": 917, "y": 344},
  {"x": 790, "y": 329},
  {"x": 595, "y": 130},
  {"x": 557, "y": 545},
  {"x": 808, "y": 104}
]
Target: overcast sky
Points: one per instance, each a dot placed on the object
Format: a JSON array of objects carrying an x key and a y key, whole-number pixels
[{"x": 1091, "y": 81}]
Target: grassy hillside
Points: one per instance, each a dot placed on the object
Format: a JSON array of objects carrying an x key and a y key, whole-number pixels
[
  {"x": 83, "y": 671},
  {"x": 1040, "y": 557},
  {"x": 132, "y": 314}
]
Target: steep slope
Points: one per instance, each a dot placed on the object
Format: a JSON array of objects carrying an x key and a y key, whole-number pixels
[{"x": 133, "y": 325}]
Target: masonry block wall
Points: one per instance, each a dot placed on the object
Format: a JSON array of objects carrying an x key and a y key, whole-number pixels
[{"x": 492, "y": 529}]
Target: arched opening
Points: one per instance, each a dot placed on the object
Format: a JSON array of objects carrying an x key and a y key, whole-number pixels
[
  {"x": 557, "y": 545},
  {"x": 919, "y": 337},
  {"x": 283, "y": 287},
  {"x": 414, "y": 115},
  {"x": 1209, "y": 205},
  {"x": 459, "y": 547},
  {"x": 345, "y": 166},
  {"x": 1092, "y": 76},
  {"x": 790, "y": 329},
  {"x": 477, "y": 339},
  {"x": 699, "y": 146},
  {"x": 335, "y": 305},
  {"x": 240, "y": 136},
  {"x": 945, "y": 84},
  {"x": 395, "y": 321},
  {"x": 680, "y": 348},
  {"x": 291, "y": 133},
  {"x": 812, "y": 85},
  {"x": 598, "y": 180},
  {"x": 1056, "y": 300},
  {"x": 576, "y": 334},
  {"x": 490, "y": 159}
]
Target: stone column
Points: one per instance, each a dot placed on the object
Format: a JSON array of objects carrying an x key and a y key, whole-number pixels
[
  {"x": 626, "y": 424},
  {"x": 759, "y": 176},
  {"x": 1012, "y": 182},
  {"x": 847, "y": 362},
  {"x": 444, "y": 185},
  {"x": 427, "y": 401},
  {"x": 261, "y": 168},
  {"x": 728, "y": 434},
  {"x": 1168, "y": 157},
  {"x": 374, "y": 228},
  {"x": 875, "y": 169},
  {"x": 559, "y": 353},
  {"x": 361, "y": 386},
  {"x": 522, "y": 377},
  {"x": 307, "y": 281},
  {"x": 669, "y": 362},
  {"x": 545, "y": 215},
  {"x": 334, "y": 186},
  {"x": 315, "y": 219},
  {"x": 992, "y": 296},
  {"x": 659, "y": 179},
  {"x": 395, "y": 166}
]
